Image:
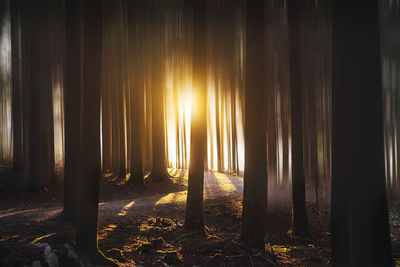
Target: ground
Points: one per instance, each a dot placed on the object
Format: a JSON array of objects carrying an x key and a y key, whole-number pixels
[{"x": 146, "y": 228}]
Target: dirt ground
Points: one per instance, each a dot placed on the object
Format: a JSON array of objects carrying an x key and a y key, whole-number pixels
[{"x": 146, "y": 228}]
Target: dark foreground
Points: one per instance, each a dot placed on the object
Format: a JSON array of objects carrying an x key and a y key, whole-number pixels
[{"x": 146, "y": 228}]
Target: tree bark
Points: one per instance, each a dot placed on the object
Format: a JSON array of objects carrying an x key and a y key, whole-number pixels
[
  {"x": 198, "y": 138},
  {"x": 299, "y": 211},
  {"x": 137, "y": 97},
  {"x": 159, "y": 170},
  {"x": 17, "y": 114},
  {"x": 359, "y": 226},
  {"x": 88, "y": 184},
  {"x": 255, "y": 173},
  {"x": 72, "y": 100},
  {"x": 41, "y": 167}
]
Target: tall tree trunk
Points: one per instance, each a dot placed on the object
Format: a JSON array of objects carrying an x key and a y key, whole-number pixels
[
  {"x": 136, "y": 89},
  {"x": 299, "y": 212},
  {"x": 255, "y": 173},
  {"x": 72, "y": 100},
  {"x": 198, "y": 138},
  {"x": 88, "y": 184},
  {"x": 17, "y": 114},
  {"x": 41, "y": 167},
  {"x": 159, "y": 170},
  {"x": 360, "y": 228},
  {"x": 26, "y": 75}
]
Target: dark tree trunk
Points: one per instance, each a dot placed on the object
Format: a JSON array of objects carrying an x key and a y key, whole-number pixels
[
  {"x": 72, "y": 100},
  {"x": 360, "y": 229},
  {"x": 88, "y": 184},
  {"x": 137, "y": 97},
  {"x": 41, "y": 167},
  {"x": 198, "y": 138},
  {"x": 26, "y": 75},
  {"x": 17, "y": 114},
  {"x": 255, "y": 173},
  {"x": 159, "y": 170},
  {"x": 299, "y": 212}
]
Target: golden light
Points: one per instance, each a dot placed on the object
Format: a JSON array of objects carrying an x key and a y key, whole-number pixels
[{"x": 179, "y": 103}]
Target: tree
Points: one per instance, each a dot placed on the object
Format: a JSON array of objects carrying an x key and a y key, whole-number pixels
[
  {"x": 41, "y": 138},
  {"x": 136, "y": 88},
  {"x": 88, "y": 184},
  {"x": 198, "y": 138},
  {"x": 72, "y": 100},
  {"x": 299, "y": 211},
  {"x": 17, "y": 114},
  {"x": 255, "y": 172},
  {"x": 359, "y": 226},
  {"x": 159, "y": 170}
]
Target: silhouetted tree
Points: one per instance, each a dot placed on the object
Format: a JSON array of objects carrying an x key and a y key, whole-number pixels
[
  {"x": 17, "y": 114},
  {"x": 198, "y": 138},
  {"x": 299, "y": 212},
  {"x": 41, "y": 167},
  {"x": 135, "y": 10},
  {"x": 255, "y": 172},
  {"x": 88, "y": 184},
  {"x": 159, "y": 169},
  {"x": 72, "y": 104},
  {"x": 360, "y": 229}
]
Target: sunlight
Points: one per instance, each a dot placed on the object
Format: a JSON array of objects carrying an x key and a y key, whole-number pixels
[
  {"x": 178, "y": 107},
  {"x": 41, "y": 237},
  {"x": 176, "y": 198},
  {"x": 224, "y": 182},
  {"x": 124, "y": 210},
  {"x": 17, "y": 212}
]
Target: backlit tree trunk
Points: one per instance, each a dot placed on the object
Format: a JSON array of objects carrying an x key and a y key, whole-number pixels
[
  {"x": 72, "y": 100},
  {"x": 88, "y": 184},
  {"x": 299, "y": 212},
  {"x": 360, "y": 229},
  {"x": 17, "y": 114},
  {"x": 255, "y": 172},
  {"x": 198, "y": 138},
  {"x": 159, "y": 170},
  {"x": 137, "y": 98},
  {"x": 41, "y": 167}
]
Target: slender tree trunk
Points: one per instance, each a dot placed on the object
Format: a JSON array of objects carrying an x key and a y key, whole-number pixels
[
  {"x": 88, "y": 184},
  {"x": 41, "y": 167},
  {"x": 159, "y": 170},
  {"x": 198, "y": 138},
  {"x": 72, "y": 100},
  {"x": 17, "y": 114},
  {"x": 299, "y": 212},
  {"x": 360, "y": 228},
  {"x": 136, "y": 88},
  {"x": 26, "y": 75},
  {"x": 255, "y": 173}
]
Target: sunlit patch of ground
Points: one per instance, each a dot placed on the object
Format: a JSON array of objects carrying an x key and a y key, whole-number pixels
[
  {"x": 146, "y": 228},
  {"x": 12, "y": 212}
]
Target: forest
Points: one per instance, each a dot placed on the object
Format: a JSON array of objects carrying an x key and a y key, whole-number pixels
[{"x": 199, "y": 133}]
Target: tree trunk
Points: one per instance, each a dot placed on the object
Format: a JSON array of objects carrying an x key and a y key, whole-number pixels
[
  {"x": 17, "y": 114},
  {"x": 41, "y": 167},
  {"x": 299, "y": 212},
  {"x": 136, "y": 89},
  {"x": 72, "y": 100},
  {"x": 88, "y": 184},
  {"x": 255, "y": 173},
  {"x": 26, "y": 75},
  {"x": 159, "y": 170},
  {"x": 359, "y": 226},
  {"x": 198, "y": 138}
]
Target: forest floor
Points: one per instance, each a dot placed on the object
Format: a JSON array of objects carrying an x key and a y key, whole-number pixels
[{"x": 146, "y": 228}]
